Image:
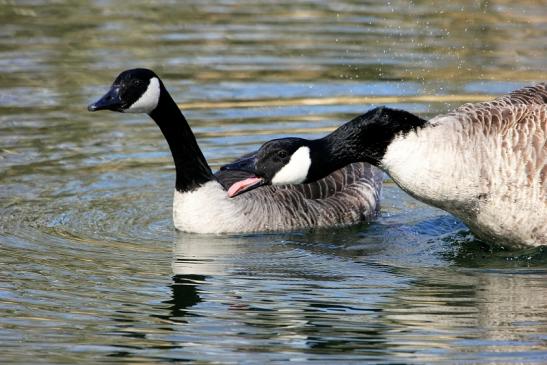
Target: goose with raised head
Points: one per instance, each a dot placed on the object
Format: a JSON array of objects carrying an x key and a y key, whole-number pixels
[
  {"x": 485, "y": 163},
  {"x": 201, "y": 204}
]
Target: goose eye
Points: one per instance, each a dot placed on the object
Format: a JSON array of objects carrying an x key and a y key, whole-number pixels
[{"x": 282, "y": 154}]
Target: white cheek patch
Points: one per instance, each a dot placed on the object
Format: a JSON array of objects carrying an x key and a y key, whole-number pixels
[
  {"x": 149, "y": 100},
  {"x": 296, "y": 171}
]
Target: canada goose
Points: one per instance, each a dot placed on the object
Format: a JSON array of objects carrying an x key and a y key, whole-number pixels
[
  {"x": 348, "y": 196},
  {"x": 484, "y": 162}
]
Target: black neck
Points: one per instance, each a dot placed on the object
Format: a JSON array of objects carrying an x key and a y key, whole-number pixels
[
  {"x": 191, "y": 167},
  {"x": 363, "y": 139}
]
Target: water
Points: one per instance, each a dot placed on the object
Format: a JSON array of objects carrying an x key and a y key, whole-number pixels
[{"x": 91, "y": 267}]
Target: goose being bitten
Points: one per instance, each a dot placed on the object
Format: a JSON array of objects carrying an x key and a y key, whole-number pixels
[{"x": 201, "y": 204}]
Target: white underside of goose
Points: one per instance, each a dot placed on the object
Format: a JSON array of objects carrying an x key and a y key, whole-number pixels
[{"x": 207, "y": 210}]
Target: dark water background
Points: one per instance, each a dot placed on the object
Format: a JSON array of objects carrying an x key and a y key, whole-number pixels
[{"x": 91, "y": 268}]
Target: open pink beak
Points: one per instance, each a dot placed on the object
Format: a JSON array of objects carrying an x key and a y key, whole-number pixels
[{"x": 245, "y": 185}]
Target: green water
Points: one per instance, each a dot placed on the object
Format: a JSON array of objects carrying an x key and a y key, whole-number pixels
[{"x": 91, "y": 269}]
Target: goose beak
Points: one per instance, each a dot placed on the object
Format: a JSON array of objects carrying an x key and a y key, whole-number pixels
[
  {"x": 248, "y": 165},
  {"x": 246, "y": 185},
  {"x": 110, "y": 101}
]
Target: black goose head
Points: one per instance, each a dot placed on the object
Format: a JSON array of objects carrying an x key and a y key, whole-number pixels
[
  {"x": 141, "y": 91},
  {"x": 277, "y": 162},
  {"x": 295, "y": 160},
  {"x": 134, "y": 91}
]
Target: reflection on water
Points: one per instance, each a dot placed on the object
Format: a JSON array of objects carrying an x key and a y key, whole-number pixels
[
  {"x": 91, "y": 268},
  {"x": 337, "y": 299}
]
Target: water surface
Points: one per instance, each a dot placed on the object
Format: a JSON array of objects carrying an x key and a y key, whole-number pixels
[{"x": 91, "y": 268}]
